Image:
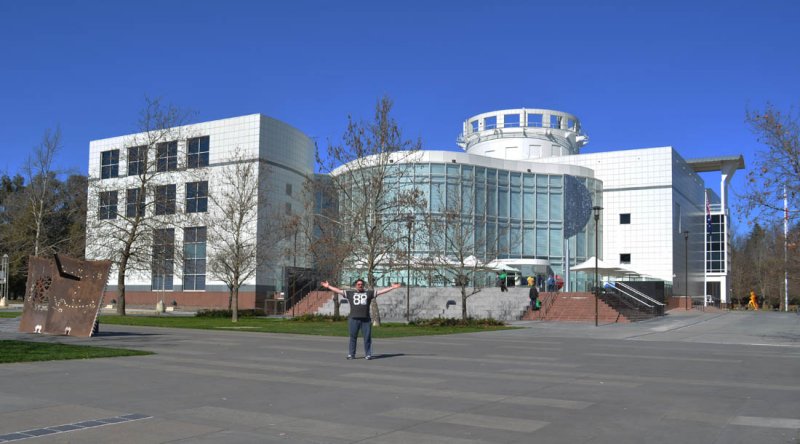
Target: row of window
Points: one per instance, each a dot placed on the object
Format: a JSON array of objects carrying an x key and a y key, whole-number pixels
[
  {"x": 197, "y": 150},
  {"x": 164, "y": 200},
  {"x": 194, "y": 259},
  {"x": 533, "y": 121}
]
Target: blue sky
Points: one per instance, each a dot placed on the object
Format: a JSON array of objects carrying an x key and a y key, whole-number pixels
[{"x": 637, "y": 73}]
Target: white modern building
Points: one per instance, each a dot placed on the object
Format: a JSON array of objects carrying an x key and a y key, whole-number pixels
[
  {"x": 185, "y": 166},
  {"x": 534, "y": 193},
  {"x": 532, "y": 190}
]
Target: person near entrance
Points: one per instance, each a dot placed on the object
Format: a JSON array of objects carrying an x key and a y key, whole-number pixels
[
  {"x": 359, "y": 319},
  {"x": 533, "y": 294}
]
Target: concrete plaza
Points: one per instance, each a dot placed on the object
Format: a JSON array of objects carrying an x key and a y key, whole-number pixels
[{"x": 689, "y": 377}]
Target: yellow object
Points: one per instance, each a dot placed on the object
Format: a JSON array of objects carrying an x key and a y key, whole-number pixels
[
  {"x": 530, "y": 281},
  {"x": 753, "y": 301}
]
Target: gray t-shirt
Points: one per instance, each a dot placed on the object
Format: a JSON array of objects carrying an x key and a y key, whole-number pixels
[{"x": 359, "y": 302}]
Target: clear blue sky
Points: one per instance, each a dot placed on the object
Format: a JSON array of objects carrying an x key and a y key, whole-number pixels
[{"x": 637, "y": 73}]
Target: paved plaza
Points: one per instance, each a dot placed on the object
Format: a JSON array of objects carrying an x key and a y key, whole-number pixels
[{"x": 685, "y": 378}]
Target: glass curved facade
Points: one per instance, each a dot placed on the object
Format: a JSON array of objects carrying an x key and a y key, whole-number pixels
[{"x": 521, "y": 218}]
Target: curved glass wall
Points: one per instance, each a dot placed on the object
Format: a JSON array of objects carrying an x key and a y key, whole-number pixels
[{"x": 515, "y": 215}]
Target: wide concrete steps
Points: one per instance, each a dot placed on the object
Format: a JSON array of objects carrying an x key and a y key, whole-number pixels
[
  {"x": 310, "y": 304},
  {"x": 574, "y": 307}
]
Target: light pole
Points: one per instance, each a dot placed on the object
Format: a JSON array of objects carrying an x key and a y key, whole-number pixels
[
  {"x": 409, "y": 224},
  {"x": 597, "y": 210},
  {"x": 4, "y": 281},
  {"x": 686, "y": 265}
]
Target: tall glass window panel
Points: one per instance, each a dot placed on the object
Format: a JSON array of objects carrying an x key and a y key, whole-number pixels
[
  {"x": 502, "y": 202},
  {"x": 516, "y": 204},
  {"x": 197, "y": 152},
  {"x": 556, "y": 207},
  {"x": 107, "y": 208},
  {"x": 134, "y": 203},
  {"x": 556, "y": 242},
  {"x": 502, "y": 240},
  {"x": 542, "y": 251},
  {"x": 480, "y": 199},
  {"x": 137, "y": 160},
  {"x": 528, "y": 241},
  {"x": 197, "y": 197},
  {"x": 162, "y": 270},
  {"x": 542, "y": 206},
  {"x": 109, "y": 164},
  {"x": 167, "y": 156},
  {"x": 529, "y": 205},
  {"x": 194, "y": 253},
  {"x": 165, "y": 199}
]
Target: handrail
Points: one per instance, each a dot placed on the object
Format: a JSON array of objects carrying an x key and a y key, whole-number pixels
[
  {"x": 637, "y": 292},
  {"x": 624, "y": 292}
]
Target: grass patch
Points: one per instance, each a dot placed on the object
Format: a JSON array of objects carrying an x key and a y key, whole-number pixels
[
  {"x": 319, "y": 327},
  {"x": 10, "y": 314},
  {"x": 25, "y": 351}
]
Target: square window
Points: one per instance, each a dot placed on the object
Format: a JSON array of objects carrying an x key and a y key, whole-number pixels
[
  {"x": 511, "y": 121},
  {"x": 197, "y": 197},
  {"x": 625, "y": 258},
  {"x": 165, "y": 199},
  {"x": 134, "y": 203},
  {"x": 490, "y": 123},
  {"x": 108, "y": 205},
  {"x": 625, "y": 218},
  {"x": 109, "y": 164},
  {"x": 197, "y": 152},
  {"x": 167, "y": 156},
  {"x": 137, "y": 158}
]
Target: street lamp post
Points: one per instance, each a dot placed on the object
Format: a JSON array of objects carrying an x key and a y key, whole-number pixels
[
  {"x": 409, "y": 224},
  {"x": 686, "y": 266},
  {"x": 597, "y": 210}
]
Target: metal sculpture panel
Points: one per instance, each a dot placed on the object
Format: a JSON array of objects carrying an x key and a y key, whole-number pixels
[{"x": 63, "y": 295}]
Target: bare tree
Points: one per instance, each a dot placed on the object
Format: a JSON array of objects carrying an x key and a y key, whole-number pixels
[
  {"x": 125, "y": 233},
  {"x": 328, "y": 245},
  {"x": 40, "y": 174},
  {"x": 367, "y": 171},
  {"x": 456, "y": 240},
  {"x": 237, "y": 244},
  {"x": 777, "y": 166}
]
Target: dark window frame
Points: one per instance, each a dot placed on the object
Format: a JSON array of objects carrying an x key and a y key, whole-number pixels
[
  {"x": 197, "y": 152},
  {"x": 194, "y": 258},
  {"x": 167, "y": 156},
  {"x": 165, "y": 199},
  {"x": 624, "y": 258},
  {"x": 625, "y": 218},
  {"x": 134, "y": 202},
  {"x": 163, "y": 260},
  {"x": 137, "y": 160},
  {"x": 107, "y": 205},
  {"x": 109, "y": 164},
  {"x": 197, "y": 197}
]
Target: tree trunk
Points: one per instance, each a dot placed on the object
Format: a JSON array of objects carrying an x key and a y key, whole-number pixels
[
  {"x": 235, "y": 304},
  {"x": 123, "y": 266},
  {"x": 463, "y": 304},
  {"x": 335, "y": 305}
]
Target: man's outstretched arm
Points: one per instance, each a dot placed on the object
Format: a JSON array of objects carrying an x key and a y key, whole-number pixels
[
  {"x": 388, "y": 289},
  {"x": 330, "y": 287}
]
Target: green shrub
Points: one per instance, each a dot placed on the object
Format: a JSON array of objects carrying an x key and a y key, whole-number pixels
[
  {"x": 228, "y": 313},
  {"x": 450, "y": 322},
  {"x": 317, "y": 318}
]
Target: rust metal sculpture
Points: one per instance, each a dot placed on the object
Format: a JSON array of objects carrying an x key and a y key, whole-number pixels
[{"x": 63, "y": 295}]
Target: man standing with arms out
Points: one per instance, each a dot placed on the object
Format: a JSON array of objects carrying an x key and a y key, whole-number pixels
[{"x": 359, "y": 319}]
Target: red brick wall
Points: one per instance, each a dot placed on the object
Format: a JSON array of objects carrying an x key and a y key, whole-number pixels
[{"x": 185, "y": 299}]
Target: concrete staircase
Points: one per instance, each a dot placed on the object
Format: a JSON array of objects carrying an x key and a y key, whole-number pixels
[
  {"x": 573, "y": 307},
  {"x": 427, "y": 303},
  {"x": 310, "y": 304}
]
